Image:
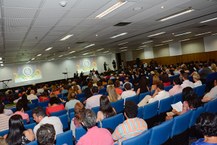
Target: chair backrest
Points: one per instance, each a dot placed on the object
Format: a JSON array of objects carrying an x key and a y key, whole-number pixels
[
  {"x": 112, "y": 122},
  {"x": 195, "y": 114},
  {"x": 81, "y": 97},
  {"x": 32, "y": 106},
  {"x": 2, "y": 133},
  {"x": 150, "y": 110},
  {"x": 30, "y": 126},
  {"x": 177, "y": 97},
  {"x": 165, "y": 104},
  {"x": 79, "y": 132},
  {"x": 95, "y": 109},
  {"x": 140, "y": 112},
  {"x": 43, "y": 104},
  {"x": 64, "y": 120},
  {"x": 135, "y": 99},
  {"x": 118, "y": 105},
  {"x": 102, "y": 91},
  {"x": 71, "y": 110},
  {"x": 71, "y": 115},
  {"x": 64, "y": 138},
  {"x": 161, "y": 133},
  {"x": 35, "y": 101},
  {"x": 167, "y": 88},
  {"x": 181, "y": 123},
  {"x": 211, "y": 106},
  {"x": 33, "y": 143},
  {"x": 141, "y": 139},
  {"x": 200, "y": 90},
  {"x": 29, "y": 112},
  {"x": 142, "y": 95},
  {"x": 58, "y": 113}
]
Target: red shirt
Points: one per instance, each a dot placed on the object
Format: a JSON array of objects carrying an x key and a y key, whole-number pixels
[{"x": 54, "y": 108}]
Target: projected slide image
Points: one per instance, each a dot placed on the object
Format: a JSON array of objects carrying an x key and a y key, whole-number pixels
[
  {"x": 87, "y": 64},
  {"x": 27, "y": 73}
]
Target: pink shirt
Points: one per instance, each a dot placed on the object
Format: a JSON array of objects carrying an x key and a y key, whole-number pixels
[
  {"x": 96, "y": 136},
  {"x": 25, "y": 116},
  {"x": 175, "y": 90}
]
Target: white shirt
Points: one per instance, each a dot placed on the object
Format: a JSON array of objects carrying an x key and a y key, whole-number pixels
[
  {"x": 127, "y": 94},
  {"x": 187, "y": 83},
  {"x": 212, "y": 93},
  {"x": 197, "y": 83},
  {"x": 32, "y": 97},
  {"x": 161, "y": 95},
  {"x": 4, "y": 122},
  {"x": 93, "y": 101},
  {"x": 55, "y": 121}
]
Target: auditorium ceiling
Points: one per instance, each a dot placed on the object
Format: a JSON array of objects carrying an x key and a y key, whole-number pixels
[{"x": 29, "y": 27}]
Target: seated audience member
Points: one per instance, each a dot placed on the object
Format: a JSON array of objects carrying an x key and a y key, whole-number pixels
[
  {"x": 93, "y": 101},
  {"x": 159, "y": 94},
  {"x": 186, "y": 82},
  {"x": 25, "y": 102},
  {"x": 7, "y": 112},
  {"x": 155, "y": 81},
  {"x": 117, "y": 87},
  {"x": 128, "y": 91},
  {"x": 32, "y": 96},
  {"x": 176, "y": 89},
  {"x": 20, "y": 110},
  {"x": 46, "y": 135},
  {"x": 17, "y": 134},
  {"x": 165, "y": 79},
  {"x": 88, "y": 90},
  {"x": 113, "y": 96},
  {"x": 196, "y": 78},
  {"x": 55, "y": 90},
  {"x": 99, "y": 85},
  {"x": 54, "y": 106},
  {"x": 207, "y": 125},
  {"x": 105, "y": 110},
  {"x": 4, "y": 118},
  {"x": 72, "y": 101},
  {"x": 213, "y": 67},
  {"x": 132, "y": 126},
  {"x": 143, "y": 86},
  {"x": 76, "y": 88},
  {"x": 212, "y": 94},
  {"x": 94, "y": 135},
  {"x": 40, "y": 117},
  {"x": 76, "y": 121},
  {"x": 110, "y": 83},
  {"x": 204, "y": 72}
]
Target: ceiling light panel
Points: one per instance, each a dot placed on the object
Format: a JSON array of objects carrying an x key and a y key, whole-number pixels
[
  {"x": 66, "y": 37},
  {"x": 181, "y": 34},
  {"x": 89, "y": 45},
  {"x": 119, "y": 35},
  {"x": 209, "y": 20},
  {"x": 49, "y": 48},
  {"x": 156, "y": 34}
]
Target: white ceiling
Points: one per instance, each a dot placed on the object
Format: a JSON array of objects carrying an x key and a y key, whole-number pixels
[{"x": 28, "y": 27}]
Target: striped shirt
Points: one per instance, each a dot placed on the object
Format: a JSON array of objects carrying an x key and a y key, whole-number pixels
[
  {"x": 4, "y": 122},
  {"x": 129, "y": 128}
]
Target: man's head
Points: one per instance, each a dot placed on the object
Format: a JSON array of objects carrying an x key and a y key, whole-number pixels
[
  {"x": 176, "y": 81},
  {"x": 95, "y": 90},
  {"x": 130, "y": 109},
  {"x": 127, "y": 86},
  {"x": 46, "y": 134},
  {"x": 38, "y": 114},
  {"x": 89, "y": 118},
  {"x": 160, "y": 86},
  {"x": 185, "y": 76}
]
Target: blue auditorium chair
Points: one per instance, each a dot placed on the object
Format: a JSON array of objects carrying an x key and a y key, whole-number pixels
[
  {"x": 140, "y": 112},
  {"x": 43, "y": 104},
  {"x": 79, "y": 132},
  {"x": 64, "y": 138},
  {"x": 195, "y": 114},
  {"x": 29, "y": 112},
  {"x": 35, "y": 101},
  {"x": 71, "y": 115},
  {"x": 177, "y": 97},
  {"x": 64, "y": 120},
  {"x": 71, "y": 110},
  {"x": 134, "y": 99},
  {"x": 150, "y": 110},
  {"x": 167, "y": 88},
  {"x": 81, "y": 97},
  {"x": 141, "y": 139},
  {"x": 165, "y": 104},
  {"x": 58, "y": 113},
  {"x": 32, "y": 106},
  {"x": 161, "y": 133},
  {"x": 142, "y": 95},
  {"x": 2, "y": 133},
  {"x": 30, "y": 126},
  {"x": 211, "y": 106},
  {"x": 200, "y": 90},
  {"x": 112, "y": 122},
  {"x": 95, "y": 109},
  {"x": 118, "y": 105}
]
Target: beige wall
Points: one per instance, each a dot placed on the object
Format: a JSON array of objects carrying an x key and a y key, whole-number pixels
[
  {"x": 161, "y": 51},
  {"x": 192, "y": 46},
  {"x": 138, "y": 54}
]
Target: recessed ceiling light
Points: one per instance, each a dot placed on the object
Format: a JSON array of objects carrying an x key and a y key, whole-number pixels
[
  {"x": 28, "y": 61},
  {"x": 214, "y": 34},
  {"x": 156, "y": 34},
  {"x": 49, "y": 48},
  {"x": 111, "y": 9},
  {"x": 96, "y": 35},
  {"x": 1, "y": 61},
  {"x": 118, "y": 35},
  {"x": 66, "y": 37},
  {"x": 85, "y": 53},
  {"x": 202, "y": 33},
  {"x": 33, "y": 58},
  {"x": 137, "y": 8},
  {"x": 39, "y": 54},
  {"x": 209, "y": 20},
  {"x": 60, "y": 56},
  {"x": 123, "y": 47},
  {"x": 100, "y": 49},
  {"x": 146, "y": 42},
  {"x": 0, "y": 58},
  {"x": 185, "y": 39},
  {"x": 89, "y": 45},
  {"x": 162, "y": 7},
  {"x": 123, "y": 43},
  {"x": 123, "y": 50},
  {"x": 2, "y": 64},
  {"x": 176, "y": 14},
  {"x": 71, "y": 52},
  {"x": 181, "y": 34},
  {"x": 143, "y": 46}
]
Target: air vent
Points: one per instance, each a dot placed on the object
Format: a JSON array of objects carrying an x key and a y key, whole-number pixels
[{"x": 122, "y": 24}]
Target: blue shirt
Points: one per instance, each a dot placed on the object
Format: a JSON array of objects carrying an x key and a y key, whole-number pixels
[{"x": 201, "y": 142}]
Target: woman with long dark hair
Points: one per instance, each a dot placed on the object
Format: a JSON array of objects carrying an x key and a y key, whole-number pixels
[
  {"x": 105, "y": 109},
  {"x": 17, "y": 134}
]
